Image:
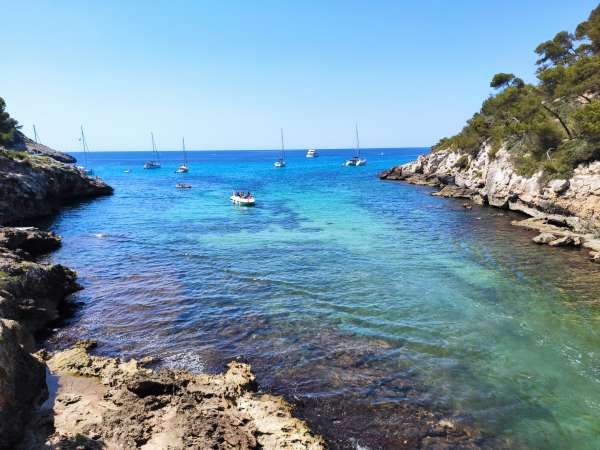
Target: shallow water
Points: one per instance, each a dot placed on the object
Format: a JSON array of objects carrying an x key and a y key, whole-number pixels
[{"x": 338, "y": 285}]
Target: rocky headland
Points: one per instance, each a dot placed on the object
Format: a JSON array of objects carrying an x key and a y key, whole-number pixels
[
  {"x": 33, "y": 186},
  {"x": 564, "y": 211}
]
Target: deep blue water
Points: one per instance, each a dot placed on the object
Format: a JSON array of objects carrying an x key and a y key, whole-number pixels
[{"x": 340, "y": 285}]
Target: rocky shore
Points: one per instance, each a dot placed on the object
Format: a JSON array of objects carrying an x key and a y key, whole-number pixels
[{"x": 565, "y": 212}]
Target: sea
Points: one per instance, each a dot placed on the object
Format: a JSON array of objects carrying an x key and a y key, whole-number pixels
[{"x": 351, "y": 296}]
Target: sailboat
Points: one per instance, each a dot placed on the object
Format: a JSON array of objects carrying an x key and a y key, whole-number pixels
[
  {"x": 184, "y": 167},
  {"x": 154, "y": 163},
  {"x": 84, "y": 169},
  {"x": 312, "y": 153},
  {"x": 356, "y": 160},
  {"x": 281, "y": 162}
]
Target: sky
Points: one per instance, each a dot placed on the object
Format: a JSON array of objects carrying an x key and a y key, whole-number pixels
[{"x": 230, "y": 74}]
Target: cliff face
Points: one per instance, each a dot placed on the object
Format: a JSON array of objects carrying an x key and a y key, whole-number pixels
[
  {"x": 36, "y": 186},
  {"x": 559, "y": 206},
  {"x": 32, "y": 296}
]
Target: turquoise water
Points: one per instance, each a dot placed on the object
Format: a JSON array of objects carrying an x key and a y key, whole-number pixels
[{"x": 340, "y": 286}]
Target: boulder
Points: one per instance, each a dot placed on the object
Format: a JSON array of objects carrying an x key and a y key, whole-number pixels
[
  {"x": 566, "y": 241},
  {"x": 30, "y": 239},
  {"x": 544, "y": 238}
]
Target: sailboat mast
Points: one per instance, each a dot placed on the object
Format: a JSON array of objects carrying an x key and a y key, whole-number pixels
[
  {"x": 84, "y": 146},
  {"x": 154, "y": 152},
  {"x": 357, "y": 141},
  {"x": 282, "y": 145},
  {"x": 184, "y": 154}
]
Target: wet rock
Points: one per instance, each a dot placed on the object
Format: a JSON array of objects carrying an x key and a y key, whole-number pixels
[
  {"x": 566, "y": 241},
  {"x": 453, "y": 192},
  {"x": 30, "y": 239},
  {"x": 595, "y": 257},
  {"x": 544, "y": 238}
]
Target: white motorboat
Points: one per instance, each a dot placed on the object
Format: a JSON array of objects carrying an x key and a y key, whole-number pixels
[
  {"x": 356, "y": 160},
  {"x": 154, "y": 163},
  {"x": 239, "y": 198},
  {"x": 312, "y": 153},
  {"x": 281, "y": 161},
  {"x": 183, "y": 186},
  {"x": 184, "y": 167}
]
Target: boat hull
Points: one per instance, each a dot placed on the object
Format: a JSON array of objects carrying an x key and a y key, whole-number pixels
[{"x": 242, "y": 201}]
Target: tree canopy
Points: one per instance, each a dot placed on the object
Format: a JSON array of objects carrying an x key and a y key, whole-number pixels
[
  {"x": 8, "y": 125},
  {"x": 553, "y": 125}
]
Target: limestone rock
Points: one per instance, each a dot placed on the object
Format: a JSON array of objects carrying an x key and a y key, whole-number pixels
[
  {"x": 123, "y": 405},
  {"x": 22, "y": 383},
  {"x": 566, "y": 241},
  {"x": 544, "y": 238},
  {"x": 37, "y": 185},
  {"x": 575, "y": 203}
]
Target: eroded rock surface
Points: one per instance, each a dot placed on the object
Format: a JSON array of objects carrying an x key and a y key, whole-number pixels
[
  {"x": 37, "y": 185},
  {"x": 111, "y": 404}
]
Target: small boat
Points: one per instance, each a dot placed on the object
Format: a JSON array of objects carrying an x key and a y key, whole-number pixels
[
  {"x": 184, "y": 167},
  {"x": 312, "y": 153},
  {"x": 281, "y": 162},
  {"x": 183, "y": 186},
  {"x": 127, "y": 171},
  {"x": 84, "y": 169},
  {"x": 239, "y": 198},
  {"x": 356, "y": 160},
  {"x": 155, "y": 162}
]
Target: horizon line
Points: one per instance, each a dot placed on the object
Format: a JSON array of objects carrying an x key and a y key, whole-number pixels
[{"x": 252, "y": 149}]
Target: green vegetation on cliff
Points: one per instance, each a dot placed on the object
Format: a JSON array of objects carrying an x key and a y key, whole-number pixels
[
  {"x": 8, "y": 125},
  {"x": 552, "y": 126}
]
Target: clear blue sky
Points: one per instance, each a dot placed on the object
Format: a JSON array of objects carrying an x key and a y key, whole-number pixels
[{"x": 229, "y": 74}]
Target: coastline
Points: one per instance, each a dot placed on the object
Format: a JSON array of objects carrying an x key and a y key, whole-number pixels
[{"x": 564, "y": 212}]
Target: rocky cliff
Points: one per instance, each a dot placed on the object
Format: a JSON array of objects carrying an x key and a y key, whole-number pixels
[
  {"x": 32, "y": 296},
  {"x": 34, "y": 186},
  {"x": 562, "y": 208}
]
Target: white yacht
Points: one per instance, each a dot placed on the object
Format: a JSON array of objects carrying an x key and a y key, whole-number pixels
[
  {"x": 312, "y": 153},
  {"x": 281, "y": 162},
  {"x": 356, "y": 160},
  {"x": 184, "y": 167},
  {"x": 154, "y": 163}
]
